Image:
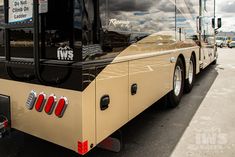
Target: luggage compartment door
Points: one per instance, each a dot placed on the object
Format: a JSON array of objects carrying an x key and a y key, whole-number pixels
[
  {"x": 153, "y": 80},
  {"x": 111, "y": 99}
]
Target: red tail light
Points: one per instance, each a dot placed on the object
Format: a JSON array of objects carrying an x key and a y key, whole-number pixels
[
  {"x": 40, "y": 102},
  {"x": 50, "y": 104},
  {"x": 61, "y": 107}
]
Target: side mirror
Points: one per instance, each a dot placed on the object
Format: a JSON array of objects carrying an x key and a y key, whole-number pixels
[
  {"x": 219, "y": 22},
  {"x": 213, "y": 22}
]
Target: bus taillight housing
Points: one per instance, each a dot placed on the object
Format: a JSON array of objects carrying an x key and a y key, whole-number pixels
[
  {"x": 40, "y": 102},
  {"x": 50, "y": 104},
  {"x": 61, "y": 107}
]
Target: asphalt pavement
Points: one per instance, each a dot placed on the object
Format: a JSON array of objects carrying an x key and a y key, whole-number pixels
[
  {"x": 202, "y": 125},
  {"x": 211, "y": 133}
]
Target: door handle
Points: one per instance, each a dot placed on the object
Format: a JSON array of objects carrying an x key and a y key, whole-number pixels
[
  {"x": 134, "y": 89},
  {"x": 104, "y": 102}
]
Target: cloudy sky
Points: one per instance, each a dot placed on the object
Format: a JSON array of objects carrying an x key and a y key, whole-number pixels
[{"x": 226, "y": 10}]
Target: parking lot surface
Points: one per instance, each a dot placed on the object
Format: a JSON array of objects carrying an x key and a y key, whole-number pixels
[{"x": 202, "y": 125}]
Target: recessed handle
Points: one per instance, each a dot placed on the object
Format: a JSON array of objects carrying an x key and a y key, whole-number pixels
[
  {"x": 104, "y": 102},
  {"x": 134, "y": 89}
]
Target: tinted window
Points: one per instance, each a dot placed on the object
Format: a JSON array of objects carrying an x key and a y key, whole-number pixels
[
  {"x": 207, "y": 15},
  {"x": 186, "y": 16},
  {"x": 57, "y": 30},
  {"x": 128, "y": 22}
]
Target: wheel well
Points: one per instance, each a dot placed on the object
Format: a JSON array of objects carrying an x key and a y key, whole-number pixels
[
  {"x": 194, "y": 56},
  {"x": 183, "y": 59}
]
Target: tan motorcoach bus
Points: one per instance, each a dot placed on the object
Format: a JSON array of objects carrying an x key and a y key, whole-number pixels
[{"x": 73, "y": 72}]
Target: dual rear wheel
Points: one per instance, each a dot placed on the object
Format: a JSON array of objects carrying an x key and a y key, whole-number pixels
[{"x": 180, "y": 84}]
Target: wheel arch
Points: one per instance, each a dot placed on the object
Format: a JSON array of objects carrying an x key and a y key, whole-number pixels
[
  {"x": 194, "y": 56},
  {"x": 181, "y": 56}
]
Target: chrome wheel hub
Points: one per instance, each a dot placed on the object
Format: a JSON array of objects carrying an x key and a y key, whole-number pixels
[
  {"x": 177, "y": 80},
  {"x": 191, "y": 72}
]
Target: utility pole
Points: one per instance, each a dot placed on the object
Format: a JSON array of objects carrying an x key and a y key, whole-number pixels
[{"x": 214, "y": 8}]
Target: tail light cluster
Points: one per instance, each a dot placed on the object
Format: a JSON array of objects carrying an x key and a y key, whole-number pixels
[{"x": 50, "y": 103}]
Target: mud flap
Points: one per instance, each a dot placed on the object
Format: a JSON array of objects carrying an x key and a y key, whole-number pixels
[
  {"x": 113, "y": 143},
  {"x": 5, "y": 115}
]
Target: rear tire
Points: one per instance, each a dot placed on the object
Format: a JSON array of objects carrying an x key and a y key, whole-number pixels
[
  {"x": 189, "y": 83},
  {"x": 176, "y": 94}
]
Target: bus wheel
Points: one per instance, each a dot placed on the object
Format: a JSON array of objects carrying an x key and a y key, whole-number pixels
[
  {"x": 176, "y": 94},
  {"x": 191, "y": 75}
]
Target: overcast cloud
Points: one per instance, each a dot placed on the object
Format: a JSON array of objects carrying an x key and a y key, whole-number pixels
[{"x": 226, "y": 10}]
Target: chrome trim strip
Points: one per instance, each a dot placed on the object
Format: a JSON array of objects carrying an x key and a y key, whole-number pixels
[{"x": 148, "y": 55}]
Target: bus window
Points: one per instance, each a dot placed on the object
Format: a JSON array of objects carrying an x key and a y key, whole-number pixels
[
  {"x": 57, "y": 31},
  {"x": 186, "y": 15},
  {"x": 60, "y": 32},
  {"x": 207, "y": 16},
  {"x": 131, "y": 22}
]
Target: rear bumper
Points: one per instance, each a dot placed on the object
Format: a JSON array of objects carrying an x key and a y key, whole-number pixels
[{"x": 75, "y": 130}]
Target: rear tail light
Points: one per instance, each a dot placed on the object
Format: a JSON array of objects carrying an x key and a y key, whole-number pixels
[
  {"x": 50, "y": 104},
  {"x": 61, "y": 107},
  {"x": 31, "y": 100},
  {"x": 40, "y": 102}
]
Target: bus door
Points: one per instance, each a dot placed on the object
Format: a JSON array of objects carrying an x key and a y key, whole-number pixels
[{"x": 207, "y": 32}]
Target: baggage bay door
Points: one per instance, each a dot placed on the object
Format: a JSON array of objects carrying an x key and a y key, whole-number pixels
[{"x": 111, "y": 99}]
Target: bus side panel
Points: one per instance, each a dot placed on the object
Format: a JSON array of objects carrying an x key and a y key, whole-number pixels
[
  {"x": 152, "y": 76},
  {"x": 111, "y": 83}
]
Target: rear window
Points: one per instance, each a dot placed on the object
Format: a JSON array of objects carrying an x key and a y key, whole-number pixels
[{"x": 60, "y": 33}]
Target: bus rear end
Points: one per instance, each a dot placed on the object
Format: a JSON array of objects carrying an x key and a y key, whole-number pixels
[{"x": 43, "y": 86}]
